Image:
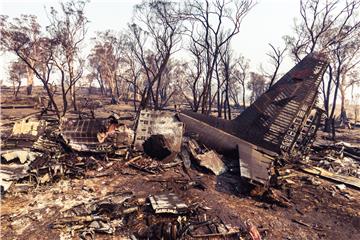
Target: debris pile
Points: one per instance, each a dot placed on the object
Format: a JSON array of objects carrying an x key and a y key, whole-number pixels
[
  {"x": 159, "y": 216},
  {"x": 39, "y": 153},
  {"x": 340, "y": 158}
]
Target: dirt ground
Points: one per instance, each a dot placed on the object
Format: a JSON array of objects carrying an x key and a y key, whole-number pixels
[{"x": 317, "y": 209}]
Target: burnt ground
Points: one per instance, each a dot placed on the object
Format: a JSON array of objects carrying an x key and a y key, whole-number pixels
[{"x": 316, "y": 208}]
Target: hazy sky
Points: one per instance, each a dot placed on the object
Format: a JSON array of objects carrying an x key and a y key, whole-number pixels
[{"x": 266, "y": 23}]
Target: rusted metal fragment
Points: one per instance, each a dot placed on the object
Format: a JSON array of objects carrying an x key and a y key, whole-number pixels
[
  {"x": 159, "y": 122},
  {"x": 208, "y": 159},
  {"x": 255, "y": 164},
  {"x": 167, "y": 203},
  {"x": 11, "y": 173},
  {"x": 22, "y": 154}
]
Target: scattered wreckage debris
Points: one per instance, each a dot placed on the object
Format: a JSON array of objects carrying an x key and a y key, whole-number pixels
[
  {"x": 348, "y": 180},
  {"x": 336, "y": 162},
  {"x": 146, "y": 165},
  {"x": 23, "y": 155},
  {"x": 43, "y": 147},
  {"x": 24, "y": 133},
  {"x": 32, "y": 154},
  {"x": 97, "y": 215},
  {"x": 158, "y": 216},
  {"x": 185, "y": 183},
  {"x": 47, "y": 159},
  {"x": 167, "y": 203},
  {"x": 18, "y": 146},
  {"x": 340, "y": 158}
]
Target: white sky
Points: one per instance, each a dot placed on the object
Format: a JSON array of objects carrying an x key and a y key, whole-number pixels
[{"x": 266, "y": 23}]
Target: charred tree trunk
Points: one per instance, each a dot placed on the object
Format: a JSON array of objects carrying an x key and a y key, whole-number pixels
[
  {"x": 64, "y": 93},
  {"x": 343, "y": 115},
  {"x": 327, "y": 127},
  {"x": 44, "y": 80},
  {"x": 219, "y": 96},
  {"x": 135, "y": 92},
  {"x": 17, "y": 89},
  {"x": 327, "y": 93},
  {"x": 117, "y": 87},
  {"x": 74, "y": 98},
  {"x": 227, "y": 98},
  {"x": 30, "y": 80},
  {"x": 337, "y": 83}
]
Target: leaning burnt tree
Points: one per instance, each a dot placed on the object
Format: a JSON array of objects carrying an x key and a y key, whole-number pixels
[
  {"x": 326, "y": 27},
  {"x": 37, "y": 53},
  {"x": 54, "y": 51},
  {"x": 29, "y": 27}
]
